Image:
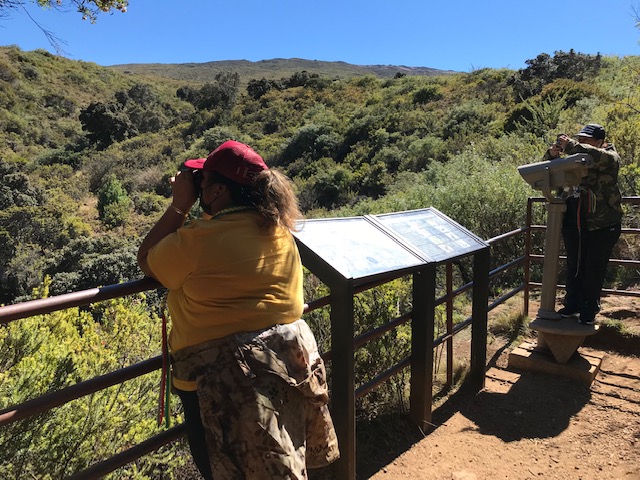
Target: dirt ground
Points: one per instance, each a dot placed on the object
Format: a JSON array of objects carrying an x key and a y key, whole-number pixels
[{"x": 530, "y": 425}]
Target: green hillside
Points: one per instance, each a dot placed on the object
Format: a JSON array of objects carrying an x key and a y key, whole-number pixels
[
  {"x": 86, "y": 151},
  {"x": 270, "y": 69}
]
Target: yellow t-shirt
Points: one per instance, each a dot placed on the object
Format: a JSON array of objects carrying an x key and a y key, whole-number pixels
[{"x": 226, "y": 276}]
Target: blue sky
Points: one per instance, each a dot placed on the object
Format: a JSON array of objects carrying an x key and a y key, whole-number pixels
[{"x": 458, "y": 35}]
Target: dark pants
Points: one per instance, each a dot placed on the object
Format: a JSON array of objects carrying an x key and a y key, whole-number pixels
[
  {"x": 195, "y": 432},
  {"x": 587, "y": 258}
]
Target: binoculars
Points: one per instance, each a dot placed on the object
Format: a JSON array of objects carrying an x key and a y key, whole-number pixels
[{"x": 197, "y": 177}]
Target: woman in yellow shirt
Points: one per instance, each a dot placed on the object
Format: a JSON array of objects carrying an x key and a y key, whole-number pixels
[{"x": 245, "y": 366}]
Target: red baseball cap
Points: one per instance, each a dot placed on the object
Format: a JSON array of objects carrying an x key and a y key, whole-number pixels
[{"x": 234, "y": 160}]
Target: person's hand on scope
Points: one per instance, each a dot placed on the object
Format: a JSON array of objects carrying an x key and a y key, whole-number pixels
[
  {"x": 556, "y": 149},
  {"x": 562, "y": 140}
]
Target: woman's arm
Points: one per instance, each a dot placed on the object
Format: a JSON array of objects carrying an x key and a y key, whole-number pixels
[{"x": 184, "y": 196}]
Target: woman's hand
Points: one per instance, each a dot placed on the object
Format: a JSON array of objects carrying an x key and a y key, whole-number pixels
[
  {"x": 184, "y": 190},
  {"x": 184, "y": 196}
]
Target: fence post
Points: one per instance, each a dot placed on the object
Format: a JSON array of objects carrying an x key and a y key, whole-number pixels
[
  {"x": 422, "y": 331},
  {"x": 527, "y": 257},
  {"x": 343, "y": 378},
  {"x": 479, "y": 318}
]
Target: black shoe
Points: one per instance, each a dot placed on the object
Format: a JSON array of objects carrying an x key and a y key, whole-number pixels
[
  {"x": 586, "y": 320},
  {"x": 566, "y": 312}
]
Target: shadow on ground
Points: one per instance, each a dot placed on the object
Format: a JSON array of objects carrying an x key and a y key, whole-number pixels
[
  {"x": 536, "y": 405},
  {"x": 520, "y": 414},
  {"x": 385, "y": 437},
  {"x": 609, "y": 337}
]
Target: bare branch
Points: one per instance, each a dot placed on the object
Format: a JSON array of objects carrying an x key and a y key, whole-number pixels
[{"x": 53, "y": 40}]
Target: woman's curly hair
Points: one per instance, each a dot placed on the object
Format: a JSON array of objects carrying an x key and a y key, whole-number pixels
[{"x": 271, "y": 193}]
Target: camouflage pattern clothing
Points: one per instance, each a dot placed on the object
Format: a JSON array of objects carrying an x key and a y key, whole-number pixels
[
  {"x": 590, "y": 229},
  {"x": 595, "y": 204},
  {"x": 263, "y": 402}
]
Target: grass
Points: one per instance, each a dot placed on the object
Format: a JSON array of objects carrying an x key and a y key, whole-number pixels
[
  {"x": 613, "y": 335},
  {"x": 509, "y": 321}
]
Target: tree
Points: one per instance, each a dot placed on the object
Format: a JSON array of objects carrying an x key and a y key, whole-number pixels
[
  {"x": 222, "y": 94},
  {"x": 538, "y": 117},
  {"x": 306, "y": 79},
  {"x": 16, "y": 189},
  {"x": 329, "y": 188},
  {"x": 544, "y": 69},
  {"x": 257, "y": 88},
  {"x": 106, "y": 123},
  {"x": 113, "y": 203},
  {"x": 89, "y": 9},
  {"x": 315, "y": 141},
  {"x": 134, "y": 111},
  {"x": 144, "y": 109},
  {"x": 90, "y": 261}
]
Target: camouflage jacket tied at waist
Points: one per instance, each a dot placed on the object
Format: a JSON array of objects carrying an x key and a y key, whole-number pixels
[
  {"x": 595, "y": 203},
  {"x": 288, "y": 351}
]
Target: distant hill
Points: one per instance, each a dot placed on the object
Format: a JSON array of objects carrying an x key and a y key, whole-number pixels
[{"x": 273, "y": 69}]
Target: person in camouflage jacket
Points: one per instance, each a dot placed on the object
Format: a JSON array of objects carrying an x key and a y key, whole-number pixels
[{"x": 592, "y": 223}]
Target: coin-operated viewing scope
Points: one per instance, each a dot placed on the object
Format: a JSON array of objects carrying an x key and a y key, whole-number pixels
[
  {"x": 554, "y": 178},
  {"x": 553, "y": 175}
]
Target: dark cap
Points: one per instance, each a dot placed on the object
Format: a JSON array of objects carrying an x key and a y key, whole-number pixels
[
  {"x": 234, "y": 160},
  {"x": 593, "y": 130}
]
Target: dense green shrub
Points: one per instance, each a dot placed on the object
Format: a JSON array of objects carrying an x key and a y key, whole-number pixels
[
  {"x": 113, "y": 203},
  {"x": 429, "y": 93},
  {"x": 545, "y": 68},
  {"x": 46, "y": 353}
]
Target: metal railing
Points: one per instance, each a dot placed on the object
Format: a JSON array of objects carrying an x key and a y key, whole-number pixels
[{"x": 52, "y": 400}]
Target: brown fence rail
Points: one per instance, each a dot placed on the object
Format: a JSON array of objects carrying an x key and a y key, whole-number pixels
[{"x": 52, "y": 400}]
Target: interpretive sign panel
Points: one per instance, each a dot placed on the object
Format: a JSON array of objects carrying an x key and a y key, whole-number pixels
[
  {"x": 431, "y": 233},
  {"x": 355, "y": 247}
]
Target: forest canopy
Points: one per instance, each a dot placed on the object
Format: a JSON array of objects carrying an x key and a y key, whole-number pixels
[{"x": 86, "y": 151}]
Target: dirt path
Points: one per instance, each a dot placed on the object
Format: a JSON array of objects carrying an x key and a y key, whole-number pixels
[{"x": 528, "y": 425}]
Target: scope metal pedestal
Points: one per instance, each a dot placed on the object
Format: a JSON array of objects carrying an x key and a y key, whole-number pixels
[{"x": 561, "y": 336}]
